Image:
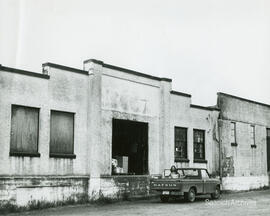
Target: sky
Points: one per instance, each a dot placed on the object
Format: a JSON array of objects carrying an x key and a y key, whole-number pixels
[{"x": 205, "y": 46}]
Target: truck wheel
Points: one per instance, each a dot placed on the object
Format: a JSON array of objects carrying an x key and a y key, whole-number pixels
[
  {"x": 216, "y": 194},
  {"x": 191, "y": 195},
  {"x": 164, "y": 198}
]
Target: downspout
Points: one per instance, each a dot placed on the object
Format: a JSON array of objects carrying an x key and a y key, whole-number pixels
[
  {"x": 220, "y": 153},
  {"x": 219, "y": 140}
]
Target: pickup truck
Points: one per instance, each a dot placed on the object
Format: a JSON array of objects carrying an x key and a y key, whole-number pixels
[{"x": 187, "y": 182}]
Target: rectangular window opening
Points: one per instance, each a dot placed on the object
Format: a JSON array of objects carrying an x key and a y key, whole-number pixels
[
  {"x": 180, "y": 142},
  {"x": 252, "y": 136},
  {"x": 62, "y": 135},
  {"x": 233, "y": 133},
  {"x": 268, "y": 148},
  {"x": 24, "y": 131},
  {"x": 199, "y": 144}
]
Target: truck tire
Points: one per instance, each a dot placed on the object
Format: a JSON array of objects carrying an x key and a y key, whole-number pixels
[
  {"x": 216, "y": 194},
  {"x": 190, "y": 196},
  {"x": 164, "y": 198}
]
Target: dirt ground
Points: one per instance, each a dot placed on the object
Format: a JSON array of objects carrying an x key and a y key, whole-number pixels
[{"x": 246, "y": 203}]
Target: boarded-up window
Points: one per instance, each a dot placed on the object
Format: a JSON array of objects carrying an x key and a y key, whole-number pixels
[
  {"x": 180, "y": 139},
  {"x": 199, "y": 142},
  {"x": 24, "y": 131},
  {"x": 62, "y": 134}
]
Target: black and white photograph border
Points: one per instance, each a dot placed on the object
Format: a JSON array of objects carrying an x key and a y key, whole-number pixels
[{"x": 131, "y": 107}]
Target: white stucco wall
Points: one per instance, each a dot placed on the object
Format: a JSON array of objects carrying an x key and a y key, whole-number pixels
[
  {"x": 64, "y": 91},
  {"x": 129, "y": 97},
  {"x": 183, "y": 115}
]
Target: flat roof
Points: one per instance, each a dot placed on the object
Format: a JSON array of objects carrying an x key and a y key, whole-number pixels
[
  {"x": 62, "y": 67},
  {"x": 24, "y": 72},
  {"x": 136, "y": 73},
  {"x": 180, "y": 93},
  {"x": 243, "y": 99},
  {"x": 204, "y": 107}
]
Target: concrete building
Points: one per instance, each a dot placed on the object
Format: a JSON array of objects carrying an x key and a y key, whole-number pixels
[
  {"x": 62, "y": 131},
  {"x": 245, "y": 142}
]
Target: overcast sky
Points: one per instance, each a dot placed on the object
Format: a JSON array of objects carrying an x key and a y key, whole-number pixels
[{"x": 205, "y": 46}]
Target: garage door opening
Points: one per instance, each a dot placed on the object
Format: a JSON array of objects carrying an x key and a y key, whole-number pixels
[{"x": 129, "y": 147}]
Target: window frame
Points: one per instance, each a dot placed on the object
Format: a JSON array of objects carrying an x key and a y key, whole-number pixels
[
  {"x": 57, "y": 154},
  {"x": 199, "y": 160},
  {"x": 181, "y": 159},
  {"x": 253, "y": 136},
  {"x": 233, "y": 142},
  {"x": 268, "y": 131},
  {"x": 208, "y": 176},
  {"x": 25, "y": 153}
]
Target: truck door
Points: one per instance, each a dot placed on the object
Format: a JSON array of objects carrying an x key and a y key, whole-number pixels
[{"x": 208, "y": 186}]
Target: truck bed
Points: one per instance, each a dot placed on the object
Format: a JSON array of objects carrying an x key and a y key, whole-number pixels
[{"x": 165, "y": 184}]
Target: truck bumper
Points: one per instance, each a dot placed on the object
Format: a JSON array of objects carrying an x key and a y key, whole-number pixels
[{"x": 169, "y": 193}]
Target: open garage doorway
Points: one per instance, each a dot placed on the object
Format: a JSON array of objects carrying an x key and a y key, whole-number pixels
[{"x": 130, "y": 147}]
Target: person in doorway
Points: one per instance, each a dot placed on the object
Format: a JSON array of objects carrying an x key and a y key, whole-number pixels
[{"x": 174, "y": 173}]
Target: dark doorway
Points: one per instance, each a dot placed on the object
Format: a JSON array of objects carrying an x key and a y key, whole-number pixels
[
  {"x": 130, "y": 139},
  {"x": 268, "y": 148}
]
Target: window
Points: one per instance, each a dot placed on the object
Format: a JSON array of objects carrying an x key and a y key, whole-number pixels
[
  {"x": 24, "y": 131},
  {"x": 252, "y": 136},
  {"x": 199, "y": 142},
  {"x": 191, "y": 174},
  {"x": 62, "y": 135},
  {"x": 180, "y": 140},
  {"x": 204, "y": 174},
  {"x": 268, "y": 148},
  {"x": 233, "y": 134}
]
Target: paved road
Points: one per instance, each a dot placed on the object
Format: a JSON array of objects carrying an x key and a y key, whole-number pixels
[{"x": 249, "y": 203}]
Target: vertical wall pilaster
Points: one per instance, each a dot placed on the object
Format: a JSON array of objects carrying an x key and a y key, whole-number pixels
[
  {"x": 95, "y": 161},
  {"x": 166, "y": 157},
  {"x": 94, "y": 116}
]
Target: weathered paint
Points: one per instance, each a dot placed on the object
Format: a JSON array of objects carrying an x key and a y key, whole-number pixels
[
  {"x": 245, "y": 183},
  {"x": 125, "y": 186},
  {"x": 63, "y": 91},
  {"x": 28, "y": 179},
  {"x": 128, "y": 96},
  {"x": 243, "y": 167},
  {"x": 104, "y": 92},
  {"x": 182, "y": 115},
  {"x": 24, "y": 190}
]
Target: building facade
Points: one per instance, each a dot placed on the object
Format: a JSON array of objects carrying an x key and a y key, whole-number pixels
[
  {"x": 245, "y": 144},
  {"x": 62, "y": 130}
]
